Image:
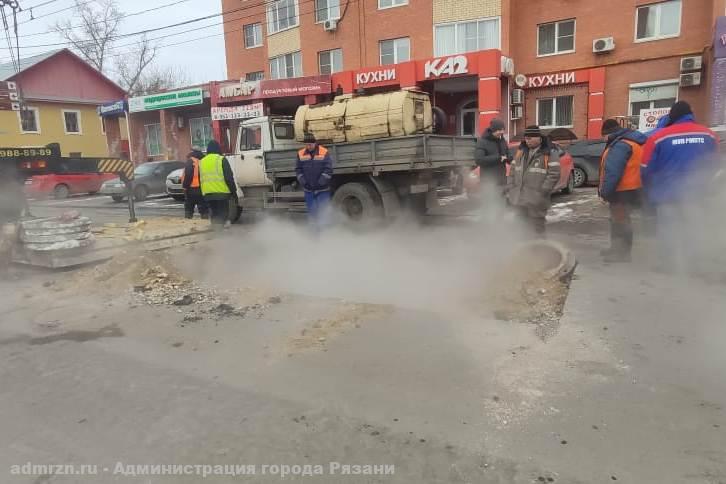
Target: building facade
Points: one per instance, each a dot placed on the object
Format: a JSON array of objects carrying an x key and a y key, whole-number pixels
[
  {"x": 576, "y": 62},
  {"x": 60, "y": 94}
]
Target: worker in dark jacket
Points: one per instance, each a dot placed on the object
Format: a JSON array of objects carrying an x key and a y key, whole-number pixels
[
  {"x": 217, "y": 182},
  {"x": 533, "y": 176},
  {"x": 620, "y": 185},
  {"x": 492, "y": 153},
  {"x": 192, "y": 190},
  {"x": 314, "y": 170}
]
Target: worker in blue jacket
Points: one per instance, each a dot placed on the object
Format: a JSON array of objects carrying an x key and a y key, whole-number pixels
[{"x": 314, "y": 170}]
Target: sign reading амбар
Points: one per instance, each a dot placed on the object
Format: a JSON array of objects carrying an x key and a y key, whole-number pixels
[{"x": 173, "y": 99}]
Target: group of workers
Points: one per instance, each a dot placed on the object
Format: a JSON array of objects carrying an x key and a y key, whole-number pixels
[{"x": 660, "y": 169}]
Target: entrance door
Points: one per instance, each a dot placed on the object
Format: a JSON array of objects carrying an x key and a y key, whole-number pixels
[{"x": 469, "y": 119}]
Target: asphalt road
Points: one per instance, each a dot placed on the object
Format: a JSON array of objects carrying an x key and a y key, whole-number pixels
[{"x": 101, "y": 209}]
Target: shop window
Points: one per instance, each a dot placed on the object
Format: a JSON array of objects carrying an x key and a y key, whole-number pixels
[
  {"x": 71, "y": 121},
  {"x": 29, "y": 120},
  {"x": 330, "y": 61},
  {"x": 327, "y": 10},
  {"x": 461, "y": 37},
  {"x": 281, "y": 15},
  {"x": 555, "y": 112},
  {"x": 394, "y": 51},
  {"x": 254, "y": 76},
  {"x": 391, "y": 3},
  {"x": 469, "y": 119},
  {"x": 286, "y": 66},
  {"x": 650, "y": 96},
  {"x": 153, "y": 139},
  {"x": 250, "y": 138},
  {"x": 253, "y": 35},
  {"x": 201, "y": 132},
  {"x": 556, "y": 38},
  {"x": 658, "y": 21}
]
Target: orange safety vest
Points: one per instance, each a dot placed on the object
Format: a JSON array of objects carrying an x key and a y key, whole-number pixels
[
  {"x": 631, "y": 175},
  {"x": 195, "y": 176},
  {"x": 305, "y": 156}
]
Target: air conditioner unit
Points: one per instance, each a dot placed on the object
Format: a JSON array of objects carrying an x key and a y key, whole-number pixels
[
  {"x": 507, "y": 66},
  {"x": 694, "y": 63},
  {"x": 605, "y": 44},
  {"x": 517, "y": 112},
  {"x": 517, "y": 96},
  {"x": 330, "y": 25},
  {"x": 691, "y": 79}
]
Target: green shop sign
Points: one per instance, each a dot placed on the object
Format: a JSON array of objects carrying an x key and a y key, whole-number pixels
[{"x": 164, "y": 100}]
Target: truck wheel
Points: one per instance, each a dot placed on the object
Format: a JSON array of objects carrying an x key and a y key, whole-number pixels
[
  {"x": 60, "y": 192},
  {"x": 140, "y": 193},
  {"x": 358, "y": 202}
]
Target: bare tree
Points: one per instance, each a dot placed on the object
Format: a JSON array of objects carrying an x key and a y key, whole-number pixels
[
  {"x": 94, "y": 35},
  {"x": 131, "y": 67},
  {"x": 155, "y": 79}
]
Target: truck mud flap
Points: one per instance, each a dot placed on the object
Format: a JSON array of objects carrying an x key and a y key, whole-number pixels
[{"x": 389, "y": 196}]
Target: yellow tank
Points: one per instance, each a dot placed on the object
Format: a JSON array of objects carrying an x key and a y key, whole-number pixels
[{"x": 357, "y": 118}]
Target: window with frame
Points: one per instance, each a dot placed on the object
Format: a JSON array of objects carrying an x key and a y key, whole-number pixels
[
  {"x": 394, "y": 51},
  {"x": 281, "y": 15},
  {"x": 250, "y": 138},
  {"x": 327, "y": 10},
  {"x": 286, "y": 66},
  {"x": 555, "y": 112},
  {"x": 284, "y": 131},
  {"x": 72, "y": 122},
  {"x": 330, "y": 61},
  {"x": 643, "y": 97},
  {"x": 153, "y": 139},
  {"x": 556, "y": 38},
  {"x": 254, "y": 76},
  {"x": 201, "y": 132},
  {"x": 461, "y": 37},
  {"x": 391, "y": 3},
  {"x": 658, "y": 21},
  {"x": 253, "y": 35},
  {"x": 29, "y": 120}
]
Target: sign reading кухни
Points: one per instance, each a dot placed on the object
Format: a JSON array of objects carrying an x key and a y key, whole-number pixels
[{"x": 163, "y": 100}]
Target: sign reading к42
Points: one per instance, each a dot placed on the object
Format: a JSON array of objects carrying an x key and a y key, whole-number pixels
[{"x": 450, "y": 66}]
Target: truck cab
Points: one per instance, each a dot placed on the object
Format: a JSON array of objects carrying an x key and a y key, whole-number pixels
[{"x": 256, "y": 137}]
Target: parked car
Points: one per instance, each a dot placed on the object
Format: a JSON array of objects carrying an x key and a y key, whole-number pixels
[
  {"x": 62, "y": 185},
  {"x": 174, "y": 185},
  {"x": 149, "y": 179},
  {"x": 586, "y": 158}
]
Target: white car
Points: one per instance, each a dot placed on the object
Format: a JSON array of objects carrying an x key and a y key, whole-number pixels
[{"x": 174, "y": 185}]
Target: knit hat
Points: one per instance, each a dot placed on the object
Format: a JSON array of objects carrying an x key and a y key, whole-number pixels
[
  {"x": 609, "y": 127},
  {"x": 496, "y": 125},
  {"x": 532, "y": 131},
  {"x": 214, "y": 147},
  {"x": 679, "y": 109},
  {"x": 308, "y": 138}
]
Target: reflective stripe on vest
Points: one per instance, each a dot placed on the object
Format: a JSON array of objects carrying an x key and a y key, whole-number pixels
[
  {"x": 211, "y": 175},
  {"x": 305, "y": 156},
  {"x": 631, "y": 175}
]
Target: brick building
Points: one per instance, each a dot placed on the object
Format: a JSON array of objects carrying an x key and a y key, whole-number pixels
[{"x": 553, "y": 43}]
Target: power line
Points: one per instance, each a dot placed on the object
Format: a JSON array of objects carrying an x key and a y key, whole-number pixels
[
  {"x": 55, "y": 12},
  {"x": 120, "y": 17}
]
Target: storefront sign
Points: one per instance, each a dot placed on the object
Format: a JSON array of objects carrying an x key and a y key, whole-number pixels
[
  {"x": 719, "y": 44},
  {"x": 371, "y": 77},
  {"x": 116, "y": 108},
  {"x": 174, "y": 99},
  {"x": 545, "y": 80},
  {"x": 246, "y": 111},
  {"x": 718, "y": 92},
  {"x": 649, "y": 118},
  {"x": 301, "y": 86},
  {"x": 446, "y": 66},
  {"x": 244, "y": 88}
]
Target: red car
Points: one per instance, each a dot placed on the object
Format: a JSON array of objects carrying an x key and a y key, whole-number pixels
[
  {"x": 62, "y": 185},
  {"x": 565, "y": 185}
]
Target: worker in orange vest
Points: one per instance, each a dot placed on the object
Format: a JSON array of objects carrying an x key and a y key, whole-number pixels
[
  {"x": 620, "y": 185},
  {"x": 192, "y": 189}
]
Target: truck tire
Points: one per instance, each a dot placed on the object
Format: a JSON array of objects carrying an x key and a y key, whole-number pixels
[{"x": 358, "y": 202}]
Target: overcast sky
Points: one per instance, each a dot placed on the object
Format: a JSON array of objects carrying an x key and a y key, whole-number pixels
[{"x": 203, "y": 59}]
